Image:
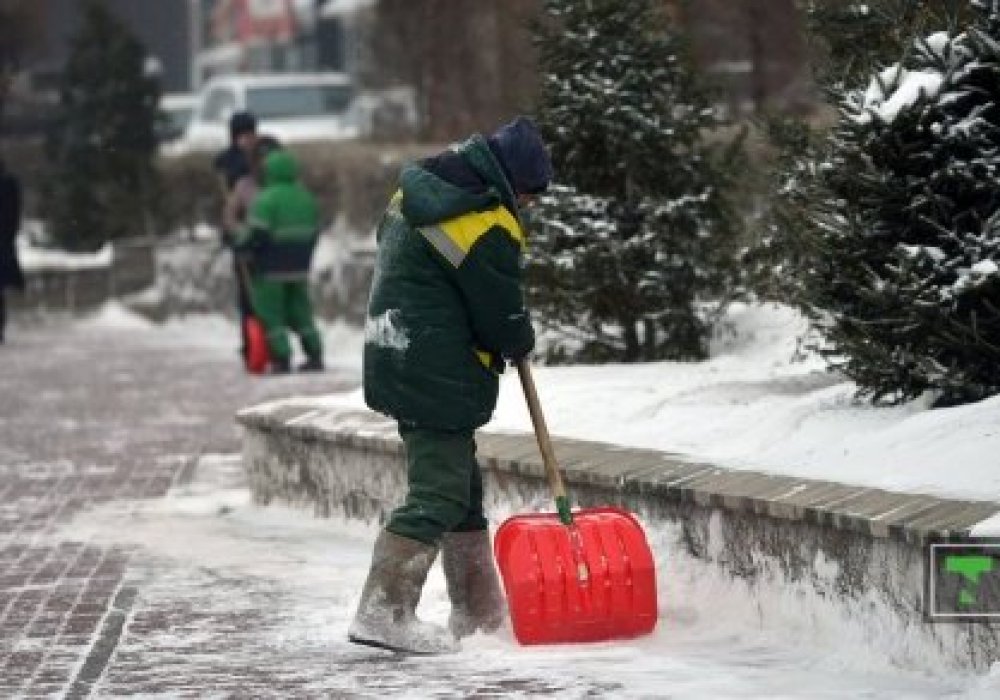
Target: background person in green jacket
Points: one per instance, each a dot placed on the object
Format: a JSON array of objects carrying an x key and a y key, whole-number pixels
[
  {"x": 281, "y": 234},
  {"x": 446, "y": 309}
]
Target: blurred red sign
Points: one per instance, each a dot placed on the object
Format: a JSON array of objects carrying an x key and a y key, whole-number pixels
[{"x": 248, "y": 21}]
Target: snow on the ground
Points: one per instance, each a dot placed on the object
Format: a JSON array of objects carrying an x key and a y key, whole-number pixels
[
  {"x": 36, "y": 259},
  {"x": 754, "y": 406},
  {"x": 337, "y": 245},
  {"x": 715, "y": 638},
  {"x": 114, "y": 315},
  {"x": 758, "y": 404},
  {"x": 342, "y": 342}
]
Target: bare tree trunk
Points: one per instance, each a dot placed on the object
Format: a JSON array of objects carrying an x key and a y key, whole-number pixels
[
  {"x": 649, "y": 339},
  {"x": 471, "y": 69},
  {"x": 630, "y": 334},
  {"x": 758, "y": 56}
]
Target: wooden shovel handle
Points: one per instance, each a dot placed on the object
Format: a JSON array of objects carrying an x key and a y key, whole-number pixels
[
  {"x": 541, "y": 432},
  {"x": 552, "y": 471},
  {"x": 243, "y": 274}
]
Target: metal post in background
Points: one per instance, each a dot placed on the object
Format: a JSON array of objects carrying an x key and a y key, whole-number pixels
[{"x": 195, "y": 28}]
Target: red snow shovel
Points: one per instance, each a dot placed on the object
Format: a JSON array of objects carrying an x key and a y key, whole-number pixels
[
  {"x": 256, "y": 355},
  {"x": 580, "y": 576}
]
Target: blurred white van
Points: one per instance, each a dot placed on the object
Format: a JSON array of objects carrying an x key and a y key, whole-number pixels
[
  {"x": 292, "y": 107},
  {"x": 177, "y": 109}
]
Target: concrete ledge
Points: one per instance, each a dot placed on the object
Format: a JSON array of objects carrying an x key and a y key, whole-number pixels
[
  {"x": 77, "y": 290},
  {"x": 778, "y": 530}
]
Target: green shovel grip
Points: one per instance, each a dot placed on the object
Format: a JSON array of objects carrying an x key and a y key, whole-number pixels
[{"x": 562, "y": 505}]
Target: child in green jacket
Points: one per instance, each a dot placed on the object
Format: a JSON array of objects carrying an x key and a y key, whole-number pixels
[{"x": 281, "y": 234}]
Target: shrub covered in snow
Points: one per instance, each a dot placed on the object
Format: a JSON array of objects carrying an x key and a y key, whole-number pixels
[
  {"x": 900, "y": 268},
  {"x": 640, "y": 225}
]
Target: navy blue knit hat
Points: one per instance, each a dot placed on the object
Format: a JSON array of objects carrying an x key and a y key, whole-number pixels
[
  {"x": 242, "y": 123},
  {"x": 522, "y": 154}
]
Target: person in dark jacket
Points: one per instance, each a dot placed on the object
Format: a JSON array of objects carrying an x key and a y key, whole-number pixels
[
  {"x": 446, "y": 309},
  {"x": 244, "y": 192},
  {"x": 280, "y": 236},
  {"x": 234, "y": 161},
  {"x": 10, "y": 222},
  {"x": 232, "y": 164}
]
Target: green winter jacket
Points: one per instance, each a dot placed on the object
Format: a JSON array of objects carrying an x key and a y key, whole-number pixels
[
  {"x": 446, "y": 302},
  {"x": 283, "y": 224}
]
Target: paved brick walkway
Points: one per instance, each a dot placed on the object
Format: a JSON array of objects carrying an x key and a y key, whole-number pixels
[
  {"x": 90, "y": 416},
  {"x": 102, "y": 423}
]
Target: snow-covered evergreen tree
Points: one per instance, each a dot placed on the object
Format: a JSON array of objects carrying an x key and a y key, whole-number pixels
[
  {"x": 849, "y": 41},
  {"x": 102, "y": 147},
  {"x": 903, "y": 266},
  {"x": 850, "y": 38},
  {"x": 639, "y": 226}
]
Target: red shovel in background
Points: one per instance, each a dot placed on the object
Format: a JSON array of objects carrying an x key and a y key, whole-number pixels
[
  {"x": 256, "y": 355},
  {"x": 574, "y": 576}
]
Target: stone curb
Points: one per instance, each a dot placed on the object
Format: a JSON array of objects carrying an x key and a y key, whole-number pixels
[
  {"x": 859, "y": 554},
  {"x": 915, "y": 519}
]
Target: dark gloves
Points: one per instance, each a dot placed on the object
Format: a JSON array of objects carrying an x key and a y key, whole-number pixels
[
  {"x": 497, "y": 364},
  {"x": 526, "y": 343}
]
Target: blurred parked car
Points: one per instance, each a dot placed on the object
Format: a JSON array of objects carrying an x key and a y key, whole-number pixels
[
  {"x": 177, "y": 109},
  {"x": 292, "y": 107}
]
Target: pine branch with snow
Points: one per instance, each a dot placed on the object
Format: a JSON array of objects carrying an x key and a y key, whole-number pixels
[
  {"x": 852, "y": 39},
  {"x": 903, "y": 271},
  {"x": 642, "y": 224}
]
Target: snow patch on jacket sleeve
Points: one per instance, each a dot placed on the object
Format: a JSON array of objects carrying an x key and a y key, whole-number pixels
[{"x": 387, "y": 331}]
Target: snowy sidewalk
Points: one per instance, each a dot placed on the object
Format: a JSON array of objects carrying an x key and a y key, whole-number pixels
[
  {"x": 93, "y": 415},
  {"x": 132, "y": 562}
]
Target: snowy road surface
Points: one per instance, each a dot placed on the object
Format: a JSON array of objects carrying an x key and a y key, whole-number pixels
[{"x": 133, "y": 564}]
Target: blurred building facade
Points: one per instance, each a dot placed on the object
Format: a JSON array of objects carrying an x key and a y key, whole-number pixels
[
  {"x": 468, "y": 70},
  {"x": 753, "y": 51},
  {"x": 163, "y": 26},
  {"x": 474, "y": 69},
  {"x": 263, "y": 36},
  {"x": 192, "y": 40}
]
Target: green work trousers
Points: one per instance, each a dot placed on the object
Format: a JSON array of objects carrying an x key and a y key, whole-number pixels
[
  {"x": 284, "y": 304},
  {"x": 445, "y": 486}
]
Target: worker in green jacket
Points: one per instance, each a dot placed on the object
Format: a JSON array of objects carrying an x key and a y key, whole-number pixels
[
  {"x": 446, "y": 309},
  {"x": 281, "y": 234}
]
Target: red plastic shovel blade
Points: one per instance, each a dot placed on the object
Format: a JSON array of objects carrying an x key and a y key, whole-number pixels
[
  {"x": 257, "y": 355},
  {"x": 549, "y": 603}
]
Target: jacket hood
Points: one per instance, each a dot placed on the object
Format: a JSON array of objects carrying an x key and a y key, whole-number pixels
[
  {"x": 280, "y": 167},
  {"x": 464, "y": 179},
  {"x": 521, "y": 152}
]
